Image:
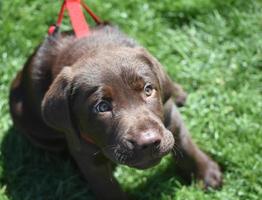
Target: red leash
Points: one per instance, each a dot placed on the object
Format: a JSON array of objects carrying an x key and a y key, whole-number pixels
[{"x": 77, "y": 18}]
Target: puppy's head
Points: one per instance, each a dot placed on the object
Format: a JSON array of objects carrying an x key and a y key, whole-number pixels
[{"x": 114, "y": 97}]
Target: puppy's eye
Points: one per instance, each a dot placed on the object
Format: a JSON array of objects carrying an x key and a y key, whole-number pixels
[
  {"x": 103, "y": 106},
  {"x": 148, "y": 89}
]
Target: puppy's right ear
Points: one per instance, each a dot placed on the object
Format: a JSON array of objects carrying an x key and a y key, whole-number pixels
[
  {"x": 167, "y": 87},
  {"x": 56, "y": 110}
]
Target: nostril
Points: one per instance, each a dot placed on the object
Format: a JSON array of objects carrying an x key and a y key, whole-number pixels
[{"x": 157, "y": 143}]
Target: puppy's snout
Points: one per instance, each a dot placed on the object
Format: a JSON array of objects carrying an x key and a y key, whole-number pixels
[{"x": 145, "y": 141}]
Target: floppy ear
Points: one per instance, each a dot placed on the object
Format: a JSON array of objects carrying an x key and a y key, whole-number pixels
[
  {"x": 166, "y": 84},
  {"x": 56, "y": 107},
  {"x": 167, "y": 87},
  {"x": 170, "y": 89}
]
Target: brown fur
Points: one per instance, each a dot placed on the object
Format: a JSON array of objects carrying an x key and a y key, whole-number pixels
[{"x": 56, "y": 100}]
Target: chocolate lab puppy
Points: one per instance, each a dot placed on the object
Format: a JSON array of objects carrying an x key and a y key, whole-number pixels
[{"x": 108, "y": 101}]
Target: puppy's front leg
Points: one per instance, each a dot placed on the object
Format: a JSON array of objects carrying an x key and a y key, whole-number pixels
[
  {"x": 190, "y": 159},
  {"x": 97, "y": 171}
]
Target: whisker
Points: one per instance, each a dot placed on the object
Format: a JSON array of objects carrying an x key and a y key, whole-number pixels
[
  {"x": 109, "y": 146},
  {"x": 96, "y": 153},
  {"x": 104, "y": 148},
  {"x": 176, "y": 149}
]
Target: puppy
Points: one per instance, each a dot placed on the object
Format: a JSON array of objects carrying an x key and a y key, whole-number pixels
[{"x": 108, "y": 101}]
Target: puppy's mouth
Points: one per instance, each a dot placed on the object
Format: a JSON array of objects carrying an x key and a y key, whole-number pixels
[
  {"x": 145, "y": 164},
  {"x": 139, "y": 158},
  {"x": 120, "y": 155}
]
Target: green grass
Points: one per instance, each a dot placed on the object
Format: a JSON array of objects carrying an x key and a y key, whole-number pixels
[{"x": 212, "y": 47}]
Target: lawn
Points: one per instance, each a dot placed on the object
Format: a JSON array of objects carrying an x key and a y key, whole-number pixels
[{"x": 212, "y": 47}]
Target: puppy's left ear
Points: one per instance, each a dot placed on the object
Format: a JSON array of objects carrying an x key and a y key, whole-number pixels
[
  {"x": 171, "y": 89},
  {"x": 167, "y": 87}
]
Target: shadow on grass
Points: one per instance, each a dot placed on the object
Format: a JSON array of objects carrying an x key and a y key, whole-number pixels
[
  {"x": 31, "y": 173},
  {"x": 163, "y": 182},
  {"x": 167, "y": 182}
]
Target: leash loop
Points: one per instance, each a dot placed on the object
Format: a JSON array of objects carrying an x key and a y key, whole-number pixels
[{"x": 77, "y": 18}]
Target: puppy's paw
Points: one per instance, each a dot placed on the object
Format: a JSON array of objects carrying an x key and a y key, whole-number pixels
[{"x": 211, "y": 175}]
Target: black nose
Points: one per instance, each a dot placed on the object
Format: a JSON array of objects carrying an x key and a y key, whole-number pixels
[{"x": 145, "y": 140}]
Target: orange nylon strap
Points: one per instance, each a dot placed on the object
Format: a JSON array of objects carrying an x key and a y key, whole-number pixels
[
  {"x": 77, "y": 18},
  {"x": 86, "y": 138}
]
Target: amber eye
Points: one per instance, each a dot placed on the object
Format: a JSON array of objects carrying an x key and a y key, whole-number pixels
[
  {"x": 103, "y": 106},
  {"x": 148, "y": 89}
]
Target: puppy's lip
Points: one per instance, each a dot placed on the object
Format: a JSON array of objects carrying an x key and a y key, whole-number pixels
[{"x": 145, "y": 164}]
